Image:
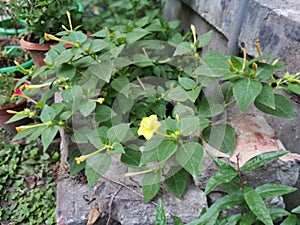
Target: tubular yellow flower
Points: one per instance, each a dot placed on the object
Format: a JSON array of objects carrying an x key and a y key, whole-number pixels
[
  {"x": 193, "y": 28},
  {"x": 20, "y": 128},
  {"x": 52, "y": 37},
  {"x": 13, "y": 112},
  {"x": 98, "y": 100},
  {"x": 148, "y": 126},
  {"x": 30, "y": 87},
  {"x": 85, "y": 157},
  {"x": 257, "y": 46}
]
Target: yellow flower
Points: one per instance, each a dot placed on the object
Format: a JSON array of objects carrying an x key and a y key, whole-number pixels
[
  {"x": 81, "y": 159},
  {"x": 148, "y": 126},
  {"x": 20, "y": 128},
  {"x": 85, "y": 157},
  {"x": 98, "y": 100},
  {"x": 193, "y": 28},
  {"x": 52, "y": 37},
  {"x": 29, "y": 87}
]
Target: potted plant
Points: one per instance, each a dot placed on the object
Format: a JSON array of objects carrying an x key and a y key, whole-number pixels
[
  {"x": 43, "y": 17},
  {"x": 12, "y": 101}
]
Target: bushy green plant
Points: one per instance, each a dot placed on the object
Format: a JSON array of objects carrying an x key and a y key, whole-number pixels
[
  {"x": 252, "y": 208},
  {"x": 7, "y": 86},
  {"x": 27, "y": 189},
  {"x": 45, "y": 16},
  {"x": 138, "y": 90}
]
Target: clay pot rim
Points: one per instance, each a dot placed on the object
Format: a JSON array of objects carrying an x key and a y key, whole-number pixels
[{"x": 35, "y": 46}]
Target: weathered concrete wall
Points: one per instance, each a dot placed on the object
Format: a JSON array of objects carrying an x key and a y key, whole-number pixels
[{"x": 277, "y": 25}]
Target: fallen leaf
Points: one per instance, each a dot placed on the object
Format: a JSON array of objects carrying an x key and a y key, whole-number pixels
[{"x": 94, "y": 214}]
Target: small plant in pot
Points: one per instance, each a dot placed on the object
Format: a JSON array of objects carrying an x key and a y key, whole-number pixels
[
  {"x": 43, "y": 17},
  {"x": 13, "y": 101}
]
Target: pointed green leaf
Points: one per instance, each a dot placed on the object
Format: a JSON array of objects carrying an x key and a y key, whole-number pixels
[
  {"x": 204, "y": 39},
  {"x": 16, "y": 117},
  {"x": 165, "y": 150},
  {"x": 296, "y": 210},
  {"x": 226, "y": 202},
  {"x": 248, "y": 219},
  {"x": 102, "y": 70},
  {"x": 151, "y": 185},
  {"x": 131, "y": 157},
  {"x": 223, "y": 176},
  {"x": 187, "y": 83},
  {"x": 120, "y": 132},
  {"x": 160, "y": 214},
  {"x": 257, "y": 205},
  {"x": 47, "y": 114},
  {"x": 245, "y": 91},
  {"x": 274, "y": 190},
  {"x": 66, "y": 71},
  {"x": 266, "y": 97},
  {"x": 283, "y": 108},
  {"x": 277, "y": 213},
  {"x": 190, "y": 155},
  {"x": 176, "y": 181},
  {"x": 48, "y": 135},
  {"x": 136, "y": 34},
  {"x": 189, "y": 125},
  {"x": 194, "y": 93},
  {"x": 86, "y": 107},
  {"x": 104, "y": 113},
  {"x": 177, "y": 94},
  {"x": 221, "y": 136},
  {"x": 262, "y": 159},
  {"x": 290, "y": 220},
  {"x": 74, "y": 167},
  {"x": 210, "y": 107},
  {"x": 294, "y": 87},
  {"x": 177, "y": 220},
  {"x": 96, "y": 166}
]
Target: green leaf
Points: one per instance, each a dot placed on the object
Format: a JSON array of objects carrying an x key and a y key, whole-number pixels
[
  {"x": 226, "y": 202},
  {"x": 47, "y": 114},
  {"x": 160, "y": 214},
  {"x": 151, "y": 185},
  {"x": 290, "y": 220},
  {"x": 131, "y": 157},
  {"x": 296, "y": 210},
  {"x": 294, "y": 87},
  {"x": 96, "y": 166},
  {"x": 223, "y": 176},
  {"x": 262, "y": 159},
  {"x": 16, "y": 117},
  {"x": 48, "y": 135},
  {"x": 176, "y": 181},
  {"x": 257, "y": 205},
  {"x": 210, "y": 107},
  {"x": 194, "y": 93},
  {"x": 117, "y": 148},
  {"x": 119, "y": 83},
  {"x": 66, "y": 71},
  {"x": 177, "y": 220},
  {"x": 104, "y": 113},
  {"x": 189, "y": 125},
  {"x": 221, "y": 136},
  {"x": 230, "y": 220},
  {"x": 204, "y": 39},
  {"x": 274, "y": 190},
  {"x": 177, "y": 94},
  {"x": 245, "y": 91},
  {"x": 283, "y": 108},
  {"x": 74, "y": 167},
  {"x": 187, "y": 83},
  {"x": 190, "y": 156},
  {"x": 248, "y": 219},
  {"x": 277, "y": 213},
  {"x": 102, "y": 70},
  {"x": 166, "y": 149},
  {"x": 266, "y": 97},
  {"x": 120, "y": 132},
  {"x": 86, "y": 107},
  {"x": 142, "y": 60},
  {"x": 136, "y": 34},
  {"x": 214, "y": 64}
]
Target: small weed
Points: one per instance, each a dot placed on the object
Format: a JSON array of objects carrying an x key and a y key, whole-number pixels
[{"x": 27, "y": 189}]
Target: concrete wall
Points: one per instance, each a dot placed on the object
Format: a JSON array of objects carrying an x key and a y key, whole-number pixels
[{"x": 276, "y": 23}]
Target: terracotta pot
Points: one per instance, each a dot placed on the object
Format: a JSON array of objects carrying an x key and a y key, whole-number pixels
[
  {"x": 37, "y": 51},
  {"x": 4, "y": 116}
]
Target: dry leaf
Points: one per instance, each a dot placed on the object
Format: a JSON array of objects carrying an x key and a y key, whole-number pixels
[{"x": 94, "y": 214}]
